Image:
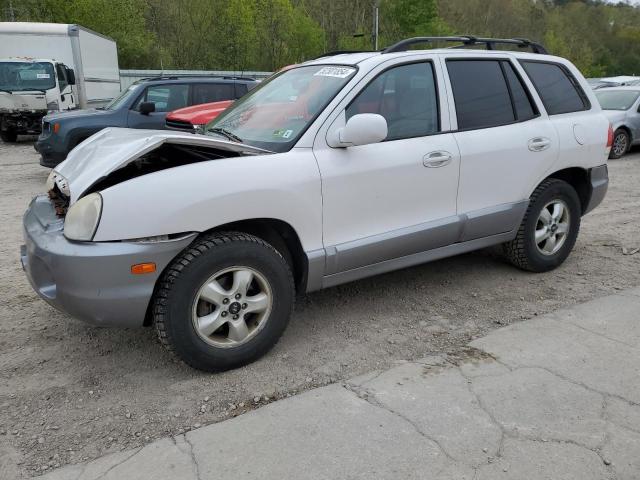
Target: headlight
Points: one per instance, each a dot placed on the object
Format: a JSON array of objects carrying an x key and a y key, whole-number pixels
[{"x": 83, "y": 217}]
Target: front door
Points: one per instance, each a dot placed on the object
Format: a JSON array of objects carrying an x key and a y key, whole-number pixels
[
  {"x": 166, "y": 98},
  {"x": 398, "y": 197}
]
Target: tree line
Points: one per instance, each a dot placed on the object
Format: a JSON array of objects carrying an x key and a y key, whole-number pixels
[{"x": 600, "y": 38}]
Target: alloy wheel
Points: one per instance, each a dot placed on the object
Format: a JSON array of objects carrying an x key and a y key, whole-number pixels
[
  {"x": 232, "y": 306},
  {"x": 552, "y": 227}
]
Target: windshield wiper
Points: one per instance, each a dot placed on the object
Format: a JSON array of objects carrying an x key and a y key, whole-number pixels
[
  {"x": 32, "y": 90},
  {"x": 6, "y": 91},
  {"x": 226, "y": 133}
]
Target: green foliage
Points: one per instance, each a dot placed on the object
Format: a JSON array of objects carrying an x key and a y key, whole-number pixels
[{"x": 601, "y": 38}]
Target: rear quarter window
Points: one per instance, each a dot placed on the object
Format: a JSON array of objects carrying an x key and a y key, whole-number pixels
[{"x": 557, "y": 87}]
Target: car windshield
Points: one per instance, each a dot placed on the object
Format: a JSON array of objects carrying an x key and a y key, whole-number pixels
[
  {"x": 617, "y": 99},
  {"x": 276, "y": 113},
  {"x": 25, "y": 76},
  {"x": 122, "y": 98}
]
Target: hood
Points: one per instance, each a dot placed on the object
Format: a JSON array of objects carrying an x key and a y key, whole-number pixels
[
  {"x": 615, "y": 115},
  {"x": 85, "y": 112},
  {"x": 12, "y": 102},
  {"x": 200, "y": 114},
  {"x": 113, "y": 148}
]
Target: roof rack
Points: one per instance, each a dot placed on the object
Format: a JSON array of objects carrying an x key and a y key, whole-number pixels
[{"x": 466, "y": 41}]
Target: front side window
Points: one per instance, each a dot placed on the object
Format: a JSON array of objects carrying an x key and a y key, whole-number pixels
[
  {"x": 559, "y": 91},
  {"x": 480, "y": 93},
  {"x": 617, "y": 99},
  {"x": 212, "y": 92},
  {"x": 26, "y": 76},
  {"x": 406, "y": 97},
  {"x": 278, "y": 111},
  {"x": 166, "y": 97},
  {"x": 62, "y": 77}
]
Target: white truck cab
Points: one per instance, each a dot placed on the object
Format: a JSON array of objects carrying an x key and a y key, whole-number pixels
[
  {"x": 339, "y": 168},
  {"x": 29, "y": 89},
  {"x": 50, "y": 67}
]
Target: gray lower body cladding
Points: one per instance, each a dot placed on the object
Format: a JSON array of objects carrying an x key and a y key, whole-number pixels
[
  {"x": 91, "y": 281},
  {"x": 599, "y": 178}
]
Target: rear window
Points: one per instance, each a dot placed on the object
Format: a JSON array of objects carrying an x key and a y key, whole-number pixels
[
  {"x": 480, "y": 93},
  {"x": 558, "y": 89},
  {"x": 617, "y": 99}
]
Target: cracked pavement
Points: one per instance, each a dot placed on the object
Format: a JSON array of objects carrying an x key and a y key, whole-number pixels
[{"x": 554, "y": 397}]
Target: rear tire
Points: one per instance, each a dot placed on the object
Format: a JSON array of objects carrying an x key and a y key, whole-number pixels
[
  {"x": 9, "y": 136},
  {"x": 224, "y": 302},
  {"x": 621, "y": 144},
  {"x": 549, "y": 228}
]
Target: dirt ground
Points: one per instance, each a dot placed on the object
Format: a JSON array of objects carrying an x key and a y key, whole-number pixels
[{"x": 71, "y": 392}]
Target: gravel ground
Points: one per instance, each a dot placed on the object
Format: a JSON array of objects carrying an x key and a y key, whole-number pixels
[{"x": 71, "y": 392}]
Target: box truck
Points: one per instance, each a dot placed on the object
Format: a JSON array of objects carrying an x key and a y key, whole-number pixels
[{"x": 52, "y": 67}]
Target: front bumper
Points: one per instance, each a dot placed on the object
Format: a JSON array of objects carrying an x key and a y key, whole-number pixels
[
  {"x": 91, "y": 281},
  {"x": 599, "y": 178}
]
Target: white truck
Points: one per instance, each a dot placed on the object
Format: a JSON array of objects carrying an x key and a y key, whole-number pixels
[{"x": 51, "y": 67}]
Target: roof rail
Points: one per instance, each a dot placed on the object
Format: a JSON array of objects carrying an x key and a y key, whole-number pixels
[
  {"x": 467, "y": 40},
  {"x": 195, "y": 75},
  {"x": 338, "y": 52}
]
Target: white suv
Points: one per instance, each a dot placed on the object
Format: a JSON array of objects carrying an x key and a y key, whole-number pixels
[{"x": 339, "y": 168}]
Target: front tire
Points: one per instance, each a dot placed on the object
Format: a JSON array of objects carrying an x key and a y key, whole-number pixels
[
  {"x": 224, "y": 302},
  {"x": 621, "y": 144},
  {"x": 549, "y": 228},
  {"x": 9, "y": 136}
]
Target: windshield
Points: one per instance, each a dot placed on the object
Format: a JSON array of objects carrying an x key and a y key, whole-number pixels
[
  {"x": 276, "y": 113},
  {"x": 617, "y": 100},
  {"x": 122, "y": 98},
  {"x": 25, "y": 76}
]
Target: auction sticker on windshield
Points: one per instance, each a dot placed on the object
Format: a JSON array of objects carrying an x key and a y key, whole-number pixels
[{"x": 338, "y": 72}]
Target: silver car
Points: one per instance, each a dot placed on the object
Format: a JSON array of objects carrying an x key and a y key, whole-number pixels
[{"x": 622, "y": 106}]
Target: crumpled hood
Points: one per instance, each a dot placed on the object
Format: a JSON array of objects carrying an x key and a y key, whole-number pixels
[{"x": 113, "y": 148}]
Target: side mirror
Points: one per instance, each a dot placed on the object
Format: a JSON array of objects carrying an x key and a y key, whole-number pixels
[
  {"x": 361, "y": 129},
  {"x": 71, "y": 76},
  {"x": 147, "y": 107}
]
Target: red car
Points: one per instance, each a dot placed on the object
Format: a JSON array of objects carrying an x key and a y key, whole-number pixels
[{"x": 192, "y": 119}]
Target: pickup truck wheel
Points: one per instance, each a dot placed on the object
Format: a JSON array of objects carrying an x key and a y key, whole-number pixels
[
  {"x": 549, "y": 228},
  {"x": 8, "y": 136},
  {"x": 620, "y": 144},
  {"x": 224, "y": 302}
]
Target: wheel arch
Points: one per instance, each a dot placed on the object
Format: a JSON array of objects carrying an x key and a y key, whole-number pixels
[{"x": 579, "y": 179}]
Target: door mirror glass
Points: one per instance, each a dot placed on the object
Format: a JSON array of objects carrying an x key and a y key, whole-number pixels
[
  {"x": 147, "y": 107},
  {"x": 361, "y": 129}
]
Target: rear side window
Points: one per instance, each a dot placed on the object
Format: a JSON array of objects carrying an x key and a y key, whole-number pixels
[
  {"x": 405, "y": 96},
  {"x": 558, "y": 89},
  {"x": 522, "y": 103},
  {"x": 480, "y": 93},
  {"x": 212, "y": 92}
]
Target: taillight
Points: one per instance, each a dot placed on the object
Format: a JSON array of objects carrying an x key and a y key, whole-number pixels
[{"x": 610, "y": 137}]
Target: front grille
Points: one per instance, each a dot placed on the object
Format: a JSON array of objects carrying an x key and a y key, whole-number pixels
[{"x": 179, "y": 125}]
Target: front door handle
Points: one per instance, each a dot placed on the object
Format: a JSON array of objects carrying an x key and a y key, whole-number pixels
[
  {"x": 437, "y": 159},
  {"x": 539, "y": 144}
]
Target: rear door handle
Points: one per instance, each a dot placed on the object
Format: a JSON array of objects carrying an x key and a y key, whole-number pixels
[
  {"x": 539, "y": 144},
  {"x": 437, "y": 159}
]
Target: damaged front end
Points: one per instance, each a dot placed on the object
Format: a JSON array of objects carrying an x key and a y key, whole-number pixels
[{"x": 115, "y": 155}]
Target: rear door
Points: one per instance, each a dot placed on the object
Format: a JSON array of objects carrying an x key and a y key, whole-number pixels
[
  {"x": 212, "y": 92},
  {"x": 167, "y": 97},
  {"x": 505, "y": 141}
]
